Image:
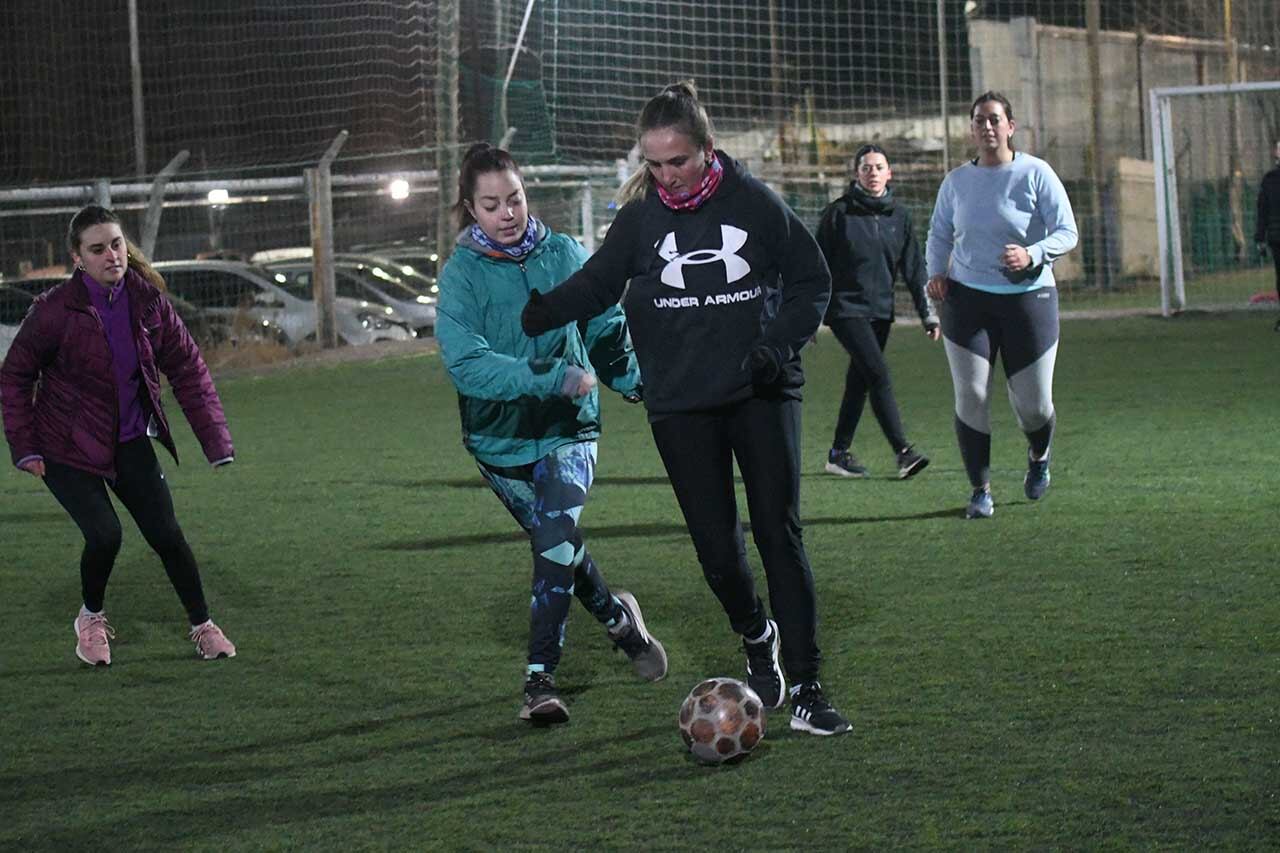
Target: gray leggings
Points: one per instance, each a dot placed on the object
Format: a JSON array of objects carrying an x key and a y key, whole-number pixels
[{"x": 1020, "y": 328}]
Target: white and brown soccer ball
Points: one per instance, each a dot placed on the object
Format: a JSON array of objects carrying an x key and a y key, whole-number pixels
[{"x": 721, "y": 719}]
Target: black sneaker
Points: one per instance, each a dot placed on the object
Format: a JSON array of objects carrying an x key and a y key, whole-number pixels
[
  {"x": 646, "y": 653},
  {"x": 842, "y": 463},
  {"x": 542, "y": 703},
  {"x": 911, "y": 463},
  {"x": 764, "y": 673},
  {"x": 812, "y": 713}
]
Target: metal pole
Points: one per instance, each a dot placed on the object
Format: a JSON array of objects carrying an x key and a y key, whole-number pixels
[
  {"x": 942, "y": 85},
  {"x": 1161, "y": 172},
  {"x": 446, "y": 126},
  {"x": 155, "y": 206},
  {"x": 1093, "y": 21},
  {"x": 135, "y": 65},
  {"x": 323, "y": 285},
  {"x": 1235, "y": 191},
  {"x": 588, "y": 217},
  {"x": 507, "y": 129}
]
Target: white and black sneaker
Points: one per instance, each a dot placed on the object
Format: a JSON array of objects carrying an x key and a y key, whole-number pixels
[
  {"x": 910, "y": 462},
  {"x": 542, "y": 703},
  {"x": 647, "y": 655},
  {"x": 764, "y": 672},
  {"x": 812, "y": 713}
]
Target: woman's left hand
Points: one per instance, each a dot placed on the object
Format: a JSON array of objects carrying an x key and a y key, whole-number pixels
[{"x": 1015, "y": 258}]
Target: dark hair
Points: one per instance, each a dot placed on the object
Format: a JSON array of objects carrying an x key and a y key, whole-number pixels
[
  {"x": 676, "y": 106},
  {"x": 869, "y": 148},
  {"x": 992, "y": 95},
  {"x": 95, "y": 214},
  {"x": 480, "y": 159}
]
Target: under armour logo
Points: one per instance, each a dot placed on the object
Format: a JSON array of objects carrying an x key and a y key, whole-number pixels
[{"x": 731, "y": 240}]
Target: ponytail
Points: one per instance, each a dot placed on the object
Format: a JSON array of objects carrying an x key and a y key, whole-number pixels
[{"x": 677, "y": 107}]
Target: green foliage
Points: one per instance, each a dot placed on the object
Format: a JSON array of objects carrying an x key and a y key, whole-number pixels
[{"x": 1098, "y": 670}]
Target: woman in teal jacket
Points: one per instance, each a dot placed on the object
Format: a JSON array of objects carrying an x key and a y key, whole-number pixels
[{"x": 531, "y": 412}]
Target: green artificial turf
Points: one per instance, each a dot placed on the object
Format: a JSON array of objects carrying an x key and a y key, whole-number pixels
[{"x": 1095, "y": 671}]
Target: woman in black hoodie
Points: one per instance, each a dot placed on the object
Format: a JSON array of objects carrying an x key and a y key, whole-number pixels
[
  {"x": 868, "y": 241},
  {"x": 726, "y": 286}
]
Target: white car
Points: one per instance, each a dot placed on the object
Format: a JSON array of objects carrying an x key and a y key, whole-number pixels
[
  {"x": 359, "y": 276},
  {"x": 14, "y": 305},
  {"x": 237, "y": 292},
  {"x": 378, "y": 279}
]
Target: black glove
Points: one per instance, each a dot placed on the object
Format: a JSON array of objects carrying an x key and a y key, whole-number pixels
[
  {"x": 536, "y": 318},
  {"x": 765, "y": 365}
]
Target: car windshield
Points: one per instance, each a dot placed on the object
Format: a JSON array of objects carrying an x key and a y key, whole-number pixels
[
  {"x": 386, "y": 281},
  {"x": 295, "y": 282},
  {"x": 13, "y": 306}
]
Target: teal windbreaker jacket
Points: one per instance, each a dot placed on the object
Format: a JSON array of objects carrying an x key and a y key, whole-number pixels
[{"x": 509, "y": 385}]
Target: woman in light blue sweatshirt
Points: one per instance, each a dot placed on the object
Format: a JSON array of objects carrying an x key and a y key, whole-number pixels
[{"x": 999, "y": 223}]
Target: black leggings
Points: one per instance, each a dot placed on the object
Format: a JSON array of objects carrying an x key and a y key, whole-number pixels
[
  {"x": 864, "y": 338},
  {"x": 1275, "y": 258},
  {"x": 698, "y": 450},
  {"x": 141, "y": 487}
]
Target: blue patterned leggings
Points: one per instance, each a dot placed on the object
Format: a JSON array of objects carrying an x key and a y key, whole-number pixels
[{"x": 546, "y": 499}]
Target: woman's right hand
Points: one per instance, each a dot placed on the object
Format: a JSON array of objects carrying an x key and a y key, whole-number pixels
[
  {"x": 577, "y": 382},
  {"x": 35, "y": 467},
  {"x": 937, "y": 287}
]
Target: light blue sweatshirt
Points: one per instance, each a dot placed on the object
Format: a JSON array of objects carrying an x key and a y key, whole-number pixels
[{"x": 981, "y": 209}]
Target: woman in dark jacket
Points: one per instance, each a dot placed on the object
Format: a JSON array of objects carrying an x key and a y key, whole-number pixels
[
  {"x": 80, "y": 396},
  {"x": 868, "y": 241},
  {"x": 1267, "y": 233},
  {"x": 723, "y": 287}
]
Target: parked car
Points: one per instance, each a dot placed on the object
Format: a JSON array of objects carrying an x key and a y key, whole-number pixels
[
  {"x": 208, "y": 328},
  {"x": 34, "y": 285},
  {"x": 415, "y": 270},
  {"x": 248, "y": 297},
  {"x": 419, "y": 254},
  {"x": 14, "y": 304},
  {"x": 379, "y": 279}
]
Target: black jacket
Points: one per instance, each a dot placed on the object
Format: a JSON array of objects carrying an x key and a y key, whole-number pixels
[
  {"x": 868, "y": 242},
  {"x": 707, "y": 286},
  {"x": 1268, "y": 228}
]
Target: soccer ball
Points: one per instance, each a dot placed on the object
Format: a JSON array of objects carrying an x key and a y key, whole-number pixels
[{"x": 721, "y": 719}]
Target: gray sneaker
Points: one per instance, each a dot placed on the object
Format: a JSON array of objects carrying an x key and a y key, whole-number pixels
[
  {"x": 1036, "y": 483},
  {"x": 542, "y": 703},
  {"x": 646, "y": 653}
]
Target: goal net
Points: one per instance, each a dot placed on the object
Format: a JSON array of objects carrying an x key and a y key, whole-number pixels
[{"x": 1211, "y": 146}]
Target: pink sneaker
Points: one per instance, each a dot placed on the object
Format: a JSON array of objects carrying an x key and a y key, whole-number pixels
[
  {"x": 211, "y": 643},
  {"x": 92, "y": 633}
]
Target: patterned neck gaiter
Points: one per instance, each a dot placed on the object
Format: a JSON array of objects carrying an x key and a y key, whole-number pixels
[
  {"x": 692, "y": 201},
  {"x": 515, "y": 251}
]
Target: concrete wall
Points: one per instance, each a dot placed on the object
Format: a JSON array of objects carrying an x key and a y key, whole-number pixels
[{"x": 1044, "y": 71}]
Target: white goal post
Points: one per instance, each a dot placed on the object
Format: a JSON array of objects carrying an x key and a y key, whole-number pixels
[{"x": 1173, "y": 296}]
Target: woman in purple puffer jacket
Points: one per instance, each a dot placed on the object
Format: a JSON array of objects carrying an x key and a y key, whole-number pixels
[{"x": 80, "y": 397}]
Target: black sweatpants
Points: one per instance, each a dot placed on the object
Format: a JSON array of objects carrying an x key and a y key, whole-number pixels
[
  {"x": 864, "y": 338},
  {"x": 141, "y": 487},
  {"x": 698, "y": 450}
]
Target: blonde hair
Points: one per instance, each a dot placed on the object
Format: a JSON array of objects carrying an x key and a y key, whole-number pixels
[{"x": 676, "y": 106}]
